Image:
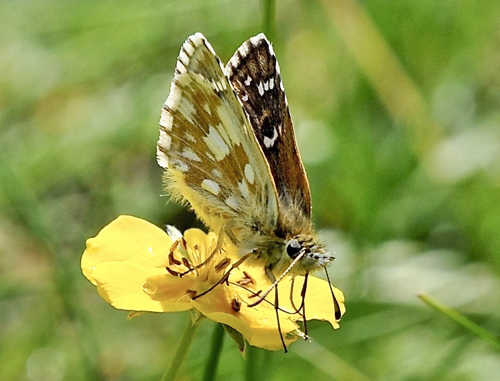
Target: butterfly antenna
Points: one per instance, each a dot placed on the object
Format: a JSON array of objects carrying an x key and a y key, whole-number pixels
[
  {"x": 275, "y": 283},
  {"x": 336, "y": 306}
]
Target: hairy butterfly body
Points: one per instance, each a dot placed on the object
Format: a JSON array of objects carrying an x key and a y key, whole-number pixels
[{"x": 228, "y": 149}]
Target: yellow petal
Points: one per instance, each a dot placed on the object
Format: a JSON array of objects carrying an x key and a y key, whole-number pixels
[
  {"x": 129, "y": 287},
  {"x": 198, "y": 237},
  {"x": 127, "y": 260},
  {"x": 125, "y": 239},
  {"x": 319, "y": 301},
  {"x": 258, "y": 324}
]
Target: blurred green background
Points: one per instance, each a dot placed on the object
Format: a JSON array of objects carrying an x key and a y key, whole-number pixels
[{"x": 396, "y": 107}]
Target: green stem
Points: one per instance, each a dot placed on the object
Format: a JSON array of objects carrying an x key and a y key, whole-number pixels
[
  {"x": 213, "y": 358},
  {"x": 182, "y": 349},
  {"x": 256, "y": 364},
  {"x": 460, "y": 319},
  {"x": 269, "y": 20}
]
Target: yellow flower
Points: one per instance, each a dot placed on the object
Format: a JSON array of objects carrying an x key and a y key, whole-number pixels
[{"x": 132, "y": 264}]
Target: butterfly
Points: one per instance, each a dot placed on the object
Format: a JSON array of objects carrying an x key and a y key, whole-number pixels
[{"x": 228, "y": 148}]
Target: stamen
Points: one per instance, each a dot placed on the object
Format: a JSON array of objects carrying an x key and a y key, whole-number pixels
[
  {"x": 244, "y": 282},
  {"x": 172, "y": 272},
  {"x": 222, "y": 265},
  {"x": 249, "y": 278},
  {"x": 207, "y": 260},
  {"x": 255, "y": 295},
  {"x": 172, "y": 260},
  {"x": 186, "y": 263}
]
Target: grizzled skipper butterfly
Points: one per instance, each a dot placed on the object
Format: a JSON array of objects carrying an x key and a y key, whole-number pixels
[{"x": 228, "y": 148}]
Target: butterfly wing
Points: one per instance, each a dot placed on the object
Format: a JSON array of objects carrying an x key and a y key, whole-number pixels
[
  {"x": 209, "y": 151},
  {"x": 254, "y": 73}
]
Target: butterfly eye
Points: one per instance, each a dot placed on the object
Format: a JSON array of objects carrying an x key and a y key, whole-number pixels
[{"x": 293, "y": 248}]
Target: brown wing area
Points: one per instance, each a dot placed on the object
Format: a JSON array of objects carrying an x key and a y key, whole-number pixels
[{"x": 254, "y": 73}]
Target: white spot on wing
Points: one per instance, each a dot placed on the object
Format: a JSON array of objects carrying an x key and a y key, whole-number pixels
[
  {"x": 206, "y": 107},
  {"x": 180, "y": 165},
  {"x": 255, "y": 39},
  {"x": 269, "y": 142},
  {"x": 189, "y": 137},
  {"x": 186, "y": 108},
  {"x": 266, "y": 86},
  {"x": 232, "y": 202},
  {"x": 211, "y": 186},
  {"x": 219, "y": 86},
  {"x": 165, "y": 140},
  {"x": 190, "y": 154},
  {"x": 230, "y": 123},
  {"x": 216, "y": 173},
  {"x": 248, "y": 81},
  {"x": 271, "y": 83},
  {"x": 161, "y": 158},
  {"x": 166, "y": 119},
  {"x": 173, "y": 98},
  {"x": 244, "y": 97},
  {"x": 249, "y": 173},
  {"x": 244, "y": 189},
  {"x": 260, "y": 87},
  {"x": 188, "y": 48},
  {"x": 216, "y": 144},
  {"x": 244, "y": 50},
  {"x": 180, "y": 66},
  {"x": 183, "y": 58}
]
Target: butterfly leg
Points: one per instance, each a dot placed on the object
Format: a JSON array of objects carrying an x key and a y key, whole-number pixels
[
  {"x": 225, "y": 277},
  {"x": 271, "y": 276},
  {"x": 303, "y": 303},
  {"x": 276, "y": 281},
  {"x": 301, "y": 309},
  {"x": 230, "y": 235}
]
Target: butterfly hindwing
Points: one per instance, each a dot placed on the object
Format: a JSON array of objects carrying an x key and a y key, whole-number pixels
[
  {"x": 208, "y": 149},
  {"x": 254, "y": 73}
]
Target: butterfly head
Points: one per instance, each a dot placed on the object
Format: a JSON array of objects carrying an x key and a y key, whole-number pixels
[{"x": 313, "y": 254}]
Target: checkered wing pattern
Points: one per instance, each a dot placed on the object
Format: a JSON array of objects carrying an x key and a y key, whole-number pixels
[
  {"x": 208, "y": 149},
  {"x": 254, "y": 73}
]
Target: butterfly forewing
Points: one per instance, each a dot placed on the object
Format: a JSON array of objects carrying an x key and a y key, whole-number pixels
[
  {"x": 254, "y": 73},
  {"x": 209, "y": 150}
]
